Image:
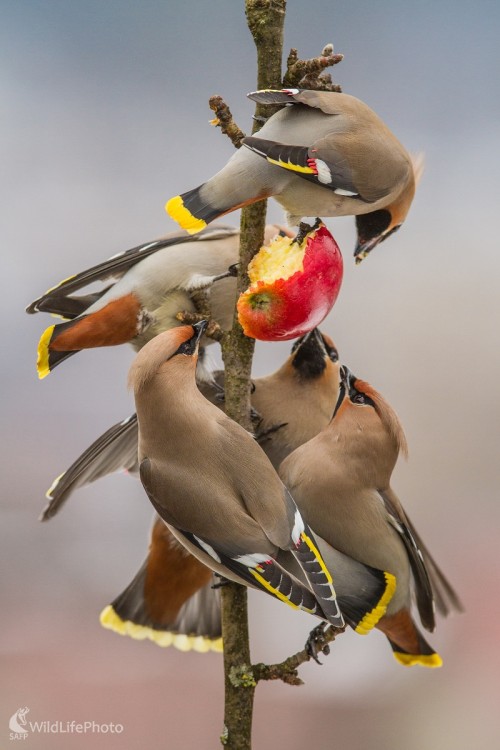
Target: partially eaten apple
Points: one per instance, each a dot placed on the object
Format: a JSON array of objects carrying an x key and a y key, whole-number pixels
[{"x": 294, "y": 285}]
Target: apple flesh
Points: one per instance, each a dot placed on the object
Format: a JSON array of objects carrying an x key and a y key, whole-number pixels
[{"x": 293, "y": 287}]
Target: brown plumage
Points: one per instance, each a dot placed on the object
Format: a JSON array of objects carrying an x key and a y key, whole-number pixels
[
  {"x": 294, "y": 403},
  {"x": 310, "y": 373},
  {"x": 297, "y": 401},
  {"x": 170, "y": 601},
  {"x": 213, "y": 485},
  {"x": 341, "y": 482}
]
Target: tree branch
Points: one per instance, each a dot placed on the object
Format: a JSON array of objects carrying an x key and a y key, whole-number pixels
[
  {"x": 308, "y": 74},
  {"x": 286, "y": 671},
  {"x": 265, "y": 20},
  {"x": 224, "y": 120}
]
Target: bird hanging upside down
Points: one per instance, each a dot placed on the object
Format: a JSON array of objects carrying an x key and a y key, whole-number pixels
[{"x": 326, "y": 154}]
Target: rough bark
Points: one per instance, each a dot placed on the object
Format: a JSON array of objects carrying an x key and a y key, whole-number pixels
[{"x": 265, "y": 20}]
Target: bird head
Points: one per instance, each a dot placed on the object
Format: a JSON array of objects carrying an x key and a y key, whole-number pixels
[
  {"x": 313, "y": 354},
  {"x": 365, "y": 420},
  {"x": 172, "y": 349},
  {"x": 376, "y": 226}
]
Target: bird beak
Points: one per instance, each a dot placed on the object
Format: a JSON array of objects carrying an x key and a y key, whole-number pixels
[
  {"x": 364, "y": 248},
  {"x": 347, "y": 378},
  {"x": 314, "y": 337},
  {"x": 189, "y": 347},
  {"x": 346, "y": 381},
  {"x": 200, "y": 329},
  {"x": 315, "y": 341},
  {"x": 316, "y": 334}
]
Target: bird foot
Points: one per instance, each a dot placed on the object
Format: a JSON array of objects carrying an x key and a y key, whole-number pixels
[
  {"x": 316, "y": 643},
  {"x": 220, "y": 583},
  {"x": 304, "y": 229}
]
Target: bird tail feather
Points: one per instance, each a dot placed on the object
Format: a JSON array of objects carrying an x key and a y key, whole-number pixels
[
  {"x": 408, "y": 644},
  {"x": 47, "y": 356},
  {"x": 196, "y": 625},
  {"x": 191, "y": 212}
]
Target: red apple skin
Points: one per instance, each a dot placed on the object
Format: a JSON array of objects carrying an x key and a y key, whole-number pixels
[{"x": 288, "y": 308}]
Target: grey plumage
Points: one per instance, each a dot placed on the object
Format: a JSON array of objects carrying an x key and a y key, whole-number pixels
[{"x": 326, "y": 154}]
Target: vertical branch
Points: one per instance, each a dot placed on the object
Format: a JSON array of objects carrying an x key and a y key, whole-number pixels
[{"x": 265, "y": 20}]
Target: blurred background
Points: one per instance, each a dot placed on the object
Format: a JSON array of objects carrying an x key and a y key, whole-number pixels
[{"x": 104, "y": 117}]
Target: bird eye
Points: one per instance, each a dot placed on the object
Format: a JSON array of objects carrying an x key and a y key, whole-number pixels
[{"x": 358, "y": 399}]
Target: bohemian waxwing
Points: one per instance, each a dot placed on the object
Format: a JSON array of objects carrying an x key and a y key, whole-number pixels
[
  {"x": 213, "y": 485},
  {"x": 327, "y": 155},
  {"x": 341, "y": 482},
  {"x": 145, "y": 288},
  {"x": 295, "y": 403}
]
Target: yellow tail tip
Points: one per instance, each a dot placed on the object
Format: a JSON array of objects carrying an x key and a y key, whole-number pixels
[
  {"x": 371, "y": 618},
  {"x": 110, "y": 620},
  {"x": 177, "y": 211},
  {"x": 42, "y": 362},
  {"x": 424, "y": 660}
]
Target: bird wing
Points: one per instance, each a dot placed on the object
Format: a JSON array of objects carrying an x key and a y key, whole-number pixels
[
  {"x": 257, "y": 569},
  {"x": 117, "y": 265},
  {"x": 329, "y": 103},
  {"x": 68, "y": 307},
  {"x": 447, "y": 599},
  {"x": 114, "y": 450},
  {"x": 423, "y": 587},
  {"x": 320, "y": 163},
  {"x": 276, "y": 512}
]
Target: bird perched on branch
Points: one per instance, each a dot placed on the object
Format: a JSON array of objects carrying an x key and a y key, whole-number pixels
[
  {"x": 214, "y": 486},
  {"x": 327, "y": 154},
  {"x": 340, "y": 480},
  {"x": 146, "y": 287},
  {"x": 294, "y": 403}
]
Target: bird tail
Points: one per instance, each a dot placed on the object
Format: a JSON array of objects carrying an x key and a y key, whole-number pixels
[
  {"x": 191, "y": 211},
  {"x": 408, "y": 644},
  {"x": 170, "y": 601},
  {"x": 48, "y": 355},
  {"x": 117, "y": 322}
]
